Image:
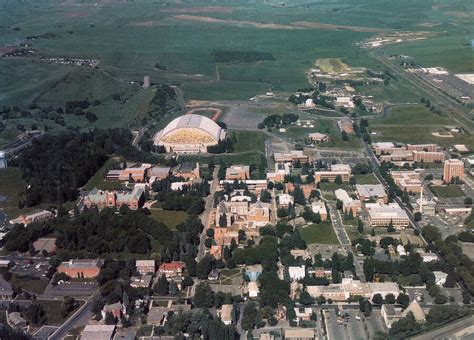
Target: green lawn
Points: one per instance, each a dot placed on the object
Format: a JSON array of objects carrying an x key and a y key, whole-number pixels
[
  {"x": 169, "y": 217},
  {"x": 447, "y": 191},
  {"x": 366, "y": 179},
  {"x": 319, "y": 233},
  {"x": 53, "y": 311},
  {"x": 331, "y": 186},
  {"x": 11, "y": 183},
  {"x": 250, "y": 141},
  {"x": 36, "y": 286},
  {"x": 98, "y": 181}
]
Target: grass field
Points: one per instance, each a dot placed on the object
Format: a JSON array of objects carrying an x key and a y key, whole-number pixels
[
  {"x": 332, "y": 65},
  {"x": 53, "y": 311},
  {"x": 447, "y": 191},
  {"x": 366, "y": 179},
  {"x": 11, "y": 183},
  {"x": 169, "y": 217},
  {"x": 36, "y": 286},
  {"x": 402, "y": 124},
  {"x": 318, "y": 233},
  {"x": 250, "y": 141}
]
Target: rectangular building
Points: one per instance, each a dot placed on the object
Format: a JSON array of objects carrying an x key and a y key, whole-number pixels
[
  {"x": 80, "y": 268},
  {"x": 237, "y": 172},
  {"x": 372, "y": 192},
  {"x": 453, "y": 169},
  {"x": 386, "y": 214}
]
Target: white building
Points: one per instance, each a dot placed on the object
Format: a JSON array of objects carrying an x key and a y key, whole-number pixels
[
  {"x": 253, "y": 289},
  {"x": 428, "y": 257},
  {"x": 226, "y": 314},
  {"x": 440, "y": 277},
  {"x": 284, "y": 200},
  {"x": 3, "y": 160},
  {"x": 382, "y": 215},
  {"x": 297, "y": 273},
  {"x": 401, "y": 250}
]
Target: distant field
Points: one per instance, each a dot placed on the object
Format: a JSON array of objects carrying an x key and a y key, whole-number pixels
[
  {"x": 332, "y": 65},
  {"x": 416, "y": 124},
  {"x": 318, "y": 233}
]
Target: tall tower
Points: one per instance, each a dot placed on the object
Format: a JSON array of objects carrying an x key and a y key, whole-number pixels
[{"x": 3, "y": 160}]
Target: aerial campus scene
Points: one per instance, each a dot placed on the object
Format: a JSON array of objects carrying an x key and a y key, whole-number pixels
[{"x": 236, "y": 169}]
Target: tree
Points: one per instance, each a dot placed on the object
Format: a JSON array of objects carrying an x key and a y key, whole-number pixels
[
  {"x": 162, "y": 286},
  {"x": 377, "y": 299},
  {"x": 440, "y": 299},
  {"x": 204, "y": 296},
  {"x": 418, "y": 216},
  {"x": 249, "y": 317},
  {"x": 466, "y": 298},
  {"x": 210, "y": 232},
  {"x": 110, "y": 319},
  {"x": 298, "y": 196},
  {"x": 365, "y": 307},
  {"x": 403, "y": 300},
  {"x": 390, "y": 299},
  {"x": 222, "y": 220},
  {"x": 173, "y": 288},
  {"x": 360, "y": 226},
  {"x": 306, "y": 299},
  {"x": 468, "y": 201},
  {"x": 344, "y": 136},
  {"x": 204, "y": 267},
  {"x": 339, "y": 204},
  {"x": 68, "y": 305},
  {"x": 265, "y": 196},
  {"x": 36, "y": 314},
  {"x": 187, "y": 281},
  {"x": 338, "y": 180}
]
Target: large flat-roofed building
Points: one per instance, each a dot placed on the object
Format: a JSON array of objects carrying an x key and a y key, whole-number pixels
[
  {"x": 145, "y": 266},
  {"x": 348, "y": 204},
  {"x": 281, "y": 170},
  {"x": 382, "y": 215},
  {"x": 293, "y": 157},
  {"x": 135, "y": 174},
  {"x": 319, "y": 207},
  {"x": 342, "y": 170},
  {"x": 428, "y": 156},
  {"x": 352, "y": 288},
  {"x": 189, "y": 134},
  {"x": 300, "y": 334},
  {"x": 422, "y": 147},
  {"x": 35, "y": 217},
  {"x": 98, "y": 332},
  {"x": 453, "y": 169},
  {"x": 383, "y": 147},
  {"x": 237, "y": 172},
  {"x": 317, "y": 137},
  {"x": 80, "y": 268},
  {"x": 407, "y": 180},
  {"x": 252, "y": 184},
  {"x": 375, "y": 192},
  {"x": 114, "y": 199}
]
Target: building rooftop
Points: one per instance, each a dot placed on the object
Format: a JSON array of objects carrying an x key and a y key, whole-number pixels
[
  {"x": 98, "y": 332},
  {"x": 370, "y": 190}
]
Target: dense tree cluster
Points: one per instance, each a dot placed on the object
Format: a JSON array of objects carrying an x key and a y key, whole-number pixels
[
  {"x": 184, "y": 200},
  {"x": 55, "y": 166},
  {"x": 224, "y": 146},
  {"x": 278, "y": 120},
  {"x": 106, "y": 232}
]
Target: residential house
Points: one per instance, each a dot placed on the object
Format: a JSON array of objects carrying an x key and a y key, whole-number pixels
[
  {"x": 171, "y": 269},
  {"x": 145, "y": 266}
]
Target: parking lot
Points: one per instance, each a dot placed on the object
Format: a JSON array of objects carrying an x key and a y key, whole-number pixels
[
  {"x": 71, "y": 288},
  {"x": 355, "y": 326},
  {"x": 30, "y": 268}
]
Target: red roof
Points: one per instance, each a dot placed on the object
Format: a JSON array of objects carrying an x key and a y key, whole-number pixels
[{"x": 175, "y": 265}]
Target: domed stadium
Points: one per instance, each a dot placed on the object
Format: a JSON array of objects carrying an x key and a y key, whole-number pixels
[{"x": 189, "y": 134}]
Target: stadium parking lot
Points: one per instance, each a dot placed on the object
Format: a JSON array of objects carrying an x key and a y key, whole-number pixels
[{"x": 29, "y": 268}]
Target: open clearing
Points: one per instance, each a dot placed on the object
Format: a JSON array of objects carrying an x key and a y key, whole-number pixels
[
  {"x": 318, "y": 233},
  {"x": 332, "y": 65},
  {"x": 447, "y": 191}
]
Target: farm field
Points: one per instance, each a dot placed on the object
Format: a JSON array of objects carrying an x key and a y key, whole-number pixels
[
  {"x": 318, "y": 233},
  {"x": 402, "y": 124}
]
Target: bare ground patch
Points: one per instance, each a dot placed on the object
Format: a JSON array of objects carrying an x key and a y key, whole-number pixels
[
  {"x": 205, "y": 9},
  {"x": 234, "y": 22},
  {"x": 319, "y": 25}
]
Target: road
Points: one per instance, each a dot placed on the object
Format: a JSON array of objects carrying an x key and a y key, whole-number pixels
[
  {"x": 80, "y": 318},
  {"x": 205, "y": 215},
  {"x": 344, "y": 239}
]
